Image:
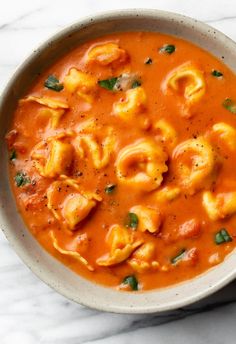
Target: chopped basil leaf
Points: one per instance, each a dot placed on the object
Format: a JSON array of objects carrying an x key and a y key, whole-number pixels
[
  {"x": 132, "y": 221},
  {"x": 229, "y": 105},
  {"x": 222, "y": 236},
  {"x": 136, "y": 83},
  {"x": 108, "y": 83},
  {"x": 21, "y": 179},
  {"x": 53, "y": 84},
  {"x": 179, "y": 256},
  {"x": 216, "y": 73},
  {"x": 110, "y": 188},
  {"x": 148, "y": 61},
  {"x": 131, "y": 281},
  {"x": 13, "y": 155},
  {"x": 167, "y": 48}
]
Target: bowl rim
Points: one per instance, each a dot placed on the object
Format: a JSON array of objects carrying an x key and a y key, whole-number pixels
[{"x": 85, "y": 21}]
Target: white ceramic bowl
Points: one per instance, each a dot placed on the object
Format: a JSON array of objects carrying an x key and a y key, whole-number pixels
[{"x": 34, "y": 256}]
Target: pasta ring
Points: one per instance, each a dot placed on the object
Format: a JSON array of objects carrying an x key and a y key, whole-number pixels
[
  {"x": 219, "y": 206},
  {"x": 149, "y": 158},
  {"x": 106, "y": 54},
  {"x": 201, "y": 156},
  {"x": 122, "y": 243},
  {"x": 74, "y": 208},
  {"x": 195, "y": 84}
]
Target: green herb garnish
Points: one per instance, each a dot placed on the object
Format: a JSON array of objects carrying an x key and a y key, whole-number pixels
[
  {"x": 216, "y": 73},
  {"x": 53, "y": 84},
  {"x": 148, "y": 61},
  {"x": 179, "y": 256},
  {"x": 110, "y": 188},
  {"x": 13, "y": 155},
  {"x": 21, "y": 179},
  {"x": 222, "y": 236},
  {"x": 167, "y": 48},
  {"x": 229, "y": 105},
  {"x": 136, "y": 83},
  {"x": 109, "y": 84},
  {"x": 131, "y": 281},
  {"x": 132, "y": 221}
]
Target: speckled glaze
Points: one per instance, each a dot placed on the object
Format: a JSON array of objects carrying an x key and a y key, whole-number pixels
[{"x": 35, "y": 257}]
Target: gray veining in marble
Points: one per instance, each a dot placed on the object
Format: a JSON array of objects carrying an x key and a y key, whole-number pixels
[{"x": 32, "y": 313}]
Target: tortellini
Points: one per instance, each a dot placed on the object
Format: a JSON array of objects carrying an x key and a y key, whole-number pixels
[
  {"x": 83, "y": 83},
  {"x": 54, "y": 115},
  {"x": 74, "y": 254},
  {"x": 107, "y": 54},
  {"x": 89, "y": 143},
  {"x": 49, "y": 102},
  {"x": 219, "y": 206},
  {"x": 143, "y": 259},
  {"x": 141, "y": 164},
  {"x": 53, "y": 157},
  {"x": 76, "y": 209},
  {"x": 68, "y": 203},
  {"x": 122, "y": 243},
  {"x": 167, "y": 133},
  {"x": 194, "y": 84},
  {"x": 53, "y": 108},
  {"x": 167, "y": 194},
  {"x": 133, "y": 104},
  {"x": 227, "y": 133},
  {"x": 149, "y": 219},
  {"x": 194, "y": 159}
]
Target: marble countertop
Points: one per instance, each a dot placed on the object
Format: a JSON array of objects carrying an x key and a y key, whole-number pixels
[{"x": 32, "y": 313}]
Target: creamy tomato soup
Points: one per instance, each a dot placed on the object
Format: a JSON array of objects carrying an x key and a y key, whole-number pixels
[{"x": 122, "y": 160}]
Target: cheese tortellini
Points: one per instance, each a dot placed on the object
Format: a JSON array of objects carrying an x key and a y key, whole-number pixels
[
  {"x": 226, "y": 133},
  {"x": 68, "y": 203},
  {"x": 141, "y": 164},
  {"x": 77, "y": 209},
  {"x": 52, "y": 108},
  {"x": 194, "y": 87},
  {"x": 53, "y": 115},
  {"x": 194, "y": 161},
  {"x": 133, "y": 104},
  {"x": 53, "y": 157},
  {"x": 143, "y": 259},
  {"x": 167, "y": 194},
  {"x": 167, "y": 133},
  {"x": 88, "y": 143},
  {"x": 122, "y": 243},
  {"x": 74, "y": 254},
  {"x": 149, "y": 218},
  {"x": 219, "y": 206},
  {"x": 84, "y": 84},
  {"x": 49, "y": 102},
  {"x": 107, "y": 54}
]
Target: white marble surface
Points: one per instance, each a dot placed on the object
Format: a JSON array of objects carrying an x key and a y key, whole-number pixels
[{"x": 30, "y": 312}]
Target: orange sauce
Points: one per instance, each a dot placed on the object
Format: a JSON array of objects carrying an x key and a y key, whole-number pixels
[{"x": 89, "y": 237}]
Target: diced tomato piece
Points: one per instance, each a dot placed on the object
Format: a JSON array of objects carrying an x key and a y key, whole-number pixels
[
  {"x": 191, "y": 256},
  {"x": 189, "y": 229},
  {"x": 19, "y": 147}
]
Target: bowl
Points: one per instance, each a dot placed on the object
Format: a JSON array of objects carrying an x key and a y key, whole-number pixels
[{"x": 47, "y": 268}]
